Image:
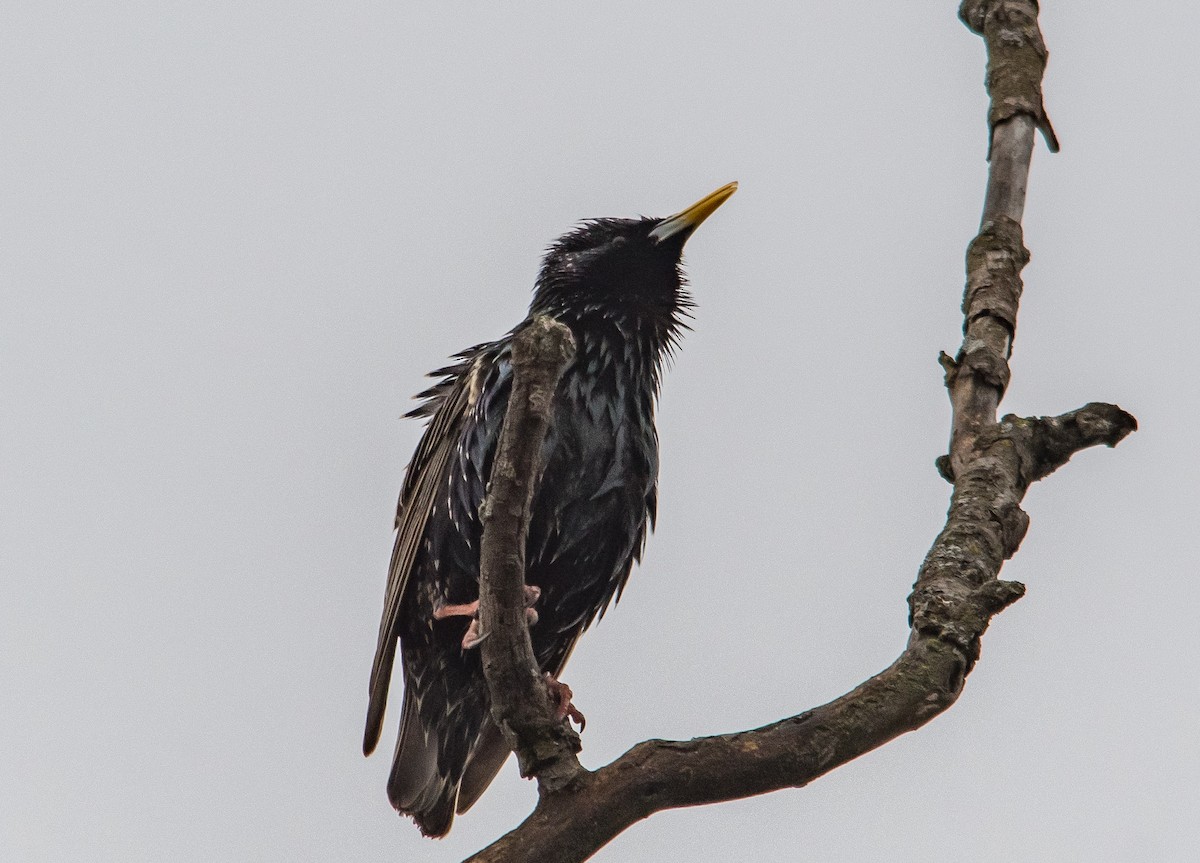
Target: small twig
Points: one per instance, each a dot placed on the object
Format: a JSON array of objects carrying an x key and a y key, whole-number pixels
[{"x": 545, "y": 746}]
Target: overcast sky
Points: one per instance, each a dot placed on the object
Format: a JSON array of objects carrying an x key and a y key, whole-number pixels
[{"x": 236, "y": 235}]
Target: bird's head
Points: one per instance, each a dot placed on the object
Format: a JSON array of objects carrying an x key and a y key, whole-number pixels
[{"x": 623, "y": 269}]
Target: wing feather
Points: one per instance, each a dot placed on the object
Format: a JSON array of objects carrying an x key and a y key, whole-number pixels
[{"x": 449, "y": 404}]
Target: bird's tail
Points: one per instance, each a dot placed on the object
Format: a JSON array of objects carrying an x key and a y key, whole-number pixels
[
  {"x": 416, "y": 787},
  {"x": 432, "y": 793}
]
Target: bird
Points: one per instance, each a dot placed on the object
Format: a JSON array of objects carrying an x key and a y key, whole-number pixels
[{"x": 618, "y": 284}]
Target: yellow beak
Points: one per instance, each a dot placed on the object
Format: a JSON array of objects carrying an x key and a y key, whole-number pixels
[{"x": 686, "y": 221}]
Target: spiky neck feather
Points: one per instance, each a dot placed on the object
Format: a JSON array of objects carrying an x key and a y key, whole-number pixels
[{"x": 622, "y": 293}]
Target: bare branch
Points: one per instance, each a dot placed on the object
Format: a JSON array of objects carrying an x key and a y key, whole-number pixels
[
  {"x": 1047, "y": 443},
  {"x": 545, "y": 746},
  {"x": 957, "y": 591},
  {"x": 1016, "y": 61},
  {"x": 954, "y": 599},
  {"x": 979, "y": 375}
]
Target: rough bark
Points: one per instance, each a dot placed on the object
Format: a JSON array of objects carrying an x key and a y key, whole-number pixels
[
  {"x": 545, "y": 747},
  {"x": 957, "y": 592}
]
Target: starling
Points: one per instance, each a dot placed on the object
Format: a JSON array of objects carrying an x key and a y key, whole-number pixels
[{"x": 618, "y": 285}]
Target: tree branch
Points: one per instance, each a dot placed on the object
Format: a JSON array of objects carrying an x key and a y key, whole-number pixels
[
  {"x": 1016, "y": 62},
  {"x": 957, "y": 591},
  {"x": 979, "y": 375},
  {"x": 954, "y": 599},
  {"x": 545, "y": 746}
]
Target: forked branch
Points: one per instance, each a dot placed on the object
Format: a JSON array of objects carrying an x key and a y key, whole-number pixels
[{"x": 957, "y": 591}]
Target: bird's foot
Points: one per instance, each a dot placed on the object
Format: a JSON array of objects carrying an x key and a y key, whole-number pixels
[
  {"x": 474, "y": 635},
  {"x": 560, "y": 694},
  {"x": 532, "y": 594}
]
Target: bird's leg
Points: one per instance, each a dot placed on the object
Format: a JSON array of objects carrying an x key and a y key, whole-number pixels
[
  {"x": 561, "y": 695},
  {"x": 474, "y": 637},
  {"x": 470, "y": 609}
]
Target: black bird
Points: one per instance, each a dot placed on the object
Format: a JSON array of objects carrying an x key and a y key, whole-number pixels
[{"x": 618, "y": 285}]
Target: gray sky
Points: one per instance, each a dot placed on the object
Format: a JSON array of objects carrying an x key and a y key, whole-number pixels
[{"x": 234, "y": 237}]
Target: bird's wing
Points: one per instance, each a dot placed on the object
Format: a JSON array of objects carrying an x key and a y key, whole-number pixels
[{"x": 448, "y": 403}]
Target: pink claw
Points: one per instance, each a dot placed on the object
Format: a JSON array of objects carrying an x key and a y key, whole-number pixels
[{"x": 561, "y": 695}]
